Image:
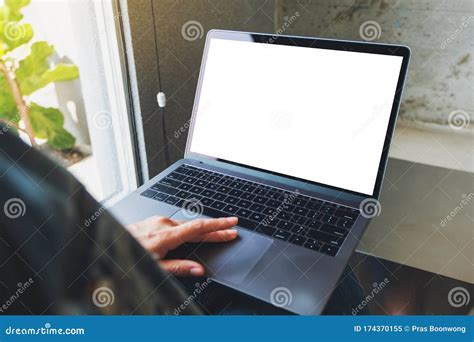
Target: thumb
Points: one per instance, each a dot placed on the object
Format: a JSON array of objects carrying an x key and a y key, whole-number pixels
[{"x": 183, "y": 267}]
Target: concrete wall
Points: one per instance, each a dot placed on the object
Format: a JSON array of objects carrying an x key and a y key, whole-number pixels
[{"x": 440, "y": 77}]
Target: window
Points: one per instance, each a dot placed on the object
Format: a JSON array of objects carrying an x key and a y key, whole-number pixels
[{"x": 94, "y": 105}]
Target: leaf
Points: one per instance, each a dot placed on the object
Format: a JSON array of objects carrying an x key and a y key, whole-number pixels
[
  {"x": 34, "y": 73},
  {"x": 13, "y": 8},
  {"x": 47, "y": 123},
  {"x": 14, "y": 34},
  {"x": 8, "y": 109}
]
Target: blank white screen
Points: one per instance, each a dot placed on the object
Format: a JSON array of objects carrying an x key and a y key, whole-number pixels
[{"x": 315, "y": 114}]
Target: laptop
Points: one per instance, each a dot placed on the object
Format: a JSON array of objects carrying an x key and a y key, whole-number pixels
[{"x": 291, "y": 135}]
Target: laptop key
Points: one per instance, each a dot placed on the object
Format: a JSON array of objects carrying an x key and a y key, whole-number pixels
[
  {"x": 236, "y": 193},
  {"x": 274, "y": 195},
  {"x": 196, "y": 190},
  {"x": 231, "y": 209},
  {"x": 208, "y": 193},
  {"x": 231, "y": 200},
  {"x": 284, "y": 215},
  {"x": 347, "y": 215},
  {"x": 314, "y": 224},
  {"x": 260, "y": 200},
  {"x": 273, "y": 203},
  {"x": 324, "y": 237},
  {"x": 165, "y": 189},
  {"x": 299, "y": 229},
  {"x": 300, "y": 202},
  {"x": 244, "y": 204},
  {"x": 212, "y": 186},
  {"x": 183, "y": 194},
  {"x": 248, "y": 188},
  {"x": 170, "y": 182},
  {"x": 257, "y": 217},
  {"x": 248, "y": 196},
  {"x": 298, "y": 219},
  {"x": 297, "y": 240},
  {"x": 257, "y": 207},
  {"x": 176, "y": 176},
  {"x": 282, "y": 235},
  {"x": 329, "y": 219},
  {"x": 217, "y": 205},
  {"x": 223, "y": 189},
  {"x": 314, "y": 246},
  {"x": 160, "y": 196},
  {"x": 328, "y": 210},
  {"x": 171, "y": 200},
  {"x": 220, "y": 197},
  {"x": 260, "y": 191},
  {"x": 330, "y": 250},
  {"x": 201, "y": 183},
  {"x": 185, "y": 186},
  {"x": 269, "y": 211},
  {"x": 345, "y": 223},
  {"x": 269, "y": 231},
  {"x": 190, "y": 180},
  {"x": 236, "y": 185},
  {"x": 243, "y": 213},
  {"x": 300, "y": 211},
  {"x": 148, "y": 193},
  {"x": 285, "y": 225},
  {"x": 313, "y": 205},
  {"x": 207, "y": 201},
  {"x": 327, "y": 228}
]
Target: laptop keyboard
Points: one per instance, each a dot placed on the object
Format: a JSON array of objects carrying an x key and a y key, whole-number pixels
[{"x": 289, "y": 216}]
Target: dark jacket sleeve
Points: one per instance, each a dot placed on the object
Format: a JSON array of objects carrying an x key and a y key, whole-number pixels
[{"x": 55, "y": 259}]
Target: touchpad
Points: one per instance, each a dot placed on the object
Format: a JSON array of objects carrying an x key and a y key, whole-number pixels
[{"x": 229, "y": 261}]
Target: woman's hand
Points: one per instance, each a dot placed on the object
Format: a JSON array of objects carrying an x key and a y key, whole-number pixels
[{"x": 159, "y": 235}]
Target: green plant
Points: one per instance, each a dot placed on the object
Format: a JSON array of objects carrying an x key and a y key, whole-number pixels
[{"x": 21, "y": 78}]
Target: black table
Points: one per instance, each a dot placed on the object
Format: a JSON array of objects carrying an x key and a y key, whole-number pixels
[{"x": 368, "y": 286}]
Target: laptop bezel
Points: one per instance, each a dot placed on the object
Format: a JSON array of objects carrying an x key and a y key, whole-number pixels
[{"x": 311, "y": 42}]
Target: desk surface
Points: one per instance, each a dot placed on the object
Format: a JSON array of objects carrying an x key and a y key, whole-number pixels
[{"x": 369, "y": 286}]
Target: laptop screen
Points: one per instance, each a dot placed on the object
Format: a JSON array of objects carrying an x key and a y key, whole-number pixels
[{"x": 315, "y": 114}]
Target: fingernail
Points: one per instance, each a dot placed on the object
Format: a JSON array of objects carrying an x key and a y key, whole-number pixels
[
  {"x": 196, "y": 271},
  {"x": 232, "y": 219},
  {"x": 232, "y": 232}
]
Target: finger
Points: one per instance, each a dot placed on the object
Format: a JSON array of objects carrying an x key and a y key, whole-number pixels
[
  {"x": 220, "y": 236},
  {"x": 191, "y": 230},
  {"x": 183, "y": 267}
]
